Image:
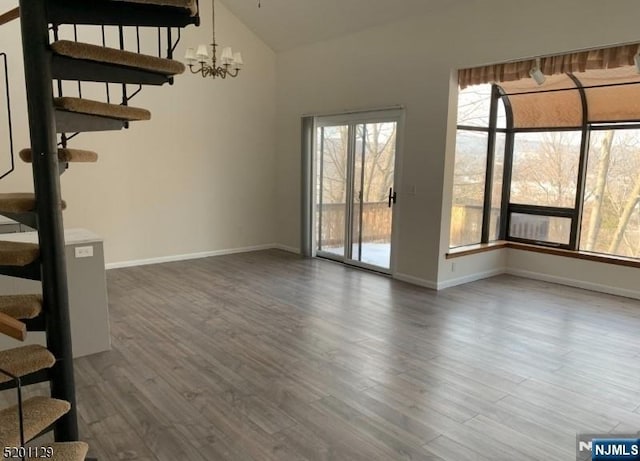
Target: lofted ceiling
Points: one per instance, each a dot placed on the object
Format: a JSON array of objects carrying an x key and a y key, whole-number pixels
[{"x": 286, "y": 24}]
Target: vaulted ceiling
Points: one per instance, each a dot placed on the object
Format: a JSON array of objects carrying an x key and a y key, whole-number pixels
[{"x": 286, "y": 24}]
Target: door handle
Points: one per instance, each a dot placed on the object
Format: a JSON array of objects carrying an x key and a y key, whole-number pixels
[{"x": 392, "y": 196}]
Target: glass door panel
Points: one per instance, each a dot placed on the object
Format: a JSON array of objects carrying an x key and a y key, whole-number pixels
[
  {"x": 332, "y": 146},
  {"x": 373, "y": 195}
]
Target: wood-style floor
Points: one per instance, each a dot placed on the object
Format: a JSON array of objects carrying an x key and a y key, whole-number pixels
[{"x": 266, "y": 356}]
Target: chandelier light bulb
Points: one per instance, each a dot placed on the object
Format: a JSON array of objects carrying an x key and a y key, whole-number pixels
[
  {"x": 190, "y": 55},
  {"x": 202, "y": 53},
  {"x": 237, "y": 60},
  {"x": 227, "y": 55}
]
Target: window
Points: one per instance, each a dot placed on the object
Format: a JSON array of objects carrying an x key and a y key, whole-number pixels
[
  {"x": 545, "y": 168},
  {"x": 611, "y": 216},
  {"x": 540, "y": 228},
  {"x": 496, "y": 190},
  {"x": 470, "y": 171},
  {"x": 468, "y": 187},
  {"x": 556, "y": 164}
]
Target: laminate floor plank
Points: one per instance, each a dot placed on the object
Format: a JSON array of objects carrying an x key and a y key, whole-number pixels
[
  {"x": 403, "y": 446},
  {"x": 556, "y": 419},
  {"x": 526, "y": 442},
  {"x": 450, "y": 450},
  {"x": 268, "y": 356}
]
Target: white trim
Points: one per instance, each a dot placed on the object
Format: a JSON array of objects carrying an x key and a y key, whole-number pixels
[
  {"x": 369, "y": 267},
  {"x": 416, "y": 281},
  {"x": 398, "y": 185},
  {"x": 314, "y": 189},
  {"x": 358, "y": 118},
  {"x": 635, "y": 294},
  {"x": 280, "y": 246},
  {"x": 186, "y": 257},
  {"x": 471, "y": 278},
  {"x": 356, "y": 112}
]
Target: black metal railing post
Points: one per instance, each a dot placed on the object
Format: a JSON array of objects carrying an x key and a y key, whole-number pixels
[
  {"x": 169, "y": 44},
  {"x": 104, "y": 43},
  {"x": 125, "y": 99},
  {"x": 18, "y": 385},
  {"x": 38, "y": 78},
  {"x": 75, "y": 39},
  {"x": 56, "y": 36},
  {"x": 7, "y": 94}
]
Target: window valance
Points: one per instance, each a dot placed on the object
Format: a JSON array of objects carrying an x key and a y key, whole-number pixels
[{"x": 604, "y": 58}]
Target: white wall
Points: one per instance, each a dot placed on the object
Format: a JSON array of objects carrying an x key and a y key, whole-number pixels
[
  {"x": 411, "y": 63},
  {"x": 216, "y": 168},
  {"x": 607, "y": 278},
  {"x": 198, "y": 177}
]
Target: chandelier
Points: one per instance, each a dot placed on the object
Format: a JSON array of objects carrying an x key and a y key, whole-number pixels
[{"x": 197, "y": 59}]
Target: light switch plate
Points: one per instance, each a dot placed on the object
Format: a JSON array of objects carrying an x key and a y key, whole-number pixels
[{"x": 84, "y": 252}]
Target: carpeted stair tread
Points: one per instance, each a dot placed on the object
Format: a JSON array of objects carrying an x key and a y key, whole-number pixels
[
  {"x": 114, "y": 56},
  {"x": 25, "y": 360},
  {"x": 190, "y": 5},
  {"x": 18, "y": 253},
  {"x": 21, "y": 306},
  {"x": 39, "y": 413},
  {"x": 19, "y": 202},
  {"x": 102, "y": 109},
  {"x": 71, "y": 451},
  {"x": 65, "y": 155}
]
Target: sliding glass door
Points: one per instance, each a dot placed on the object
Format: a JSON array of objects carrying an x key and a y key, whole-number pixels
[{"x": 355, "y": 193}]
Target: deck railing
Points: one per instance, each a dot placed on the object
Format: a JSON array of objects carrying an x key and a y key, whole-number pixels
[{"x": 376, "y": 222}]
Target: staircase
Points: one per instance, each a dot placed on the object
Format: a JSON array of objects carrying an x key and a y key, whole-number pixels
[{"x": 48, "y": 62}]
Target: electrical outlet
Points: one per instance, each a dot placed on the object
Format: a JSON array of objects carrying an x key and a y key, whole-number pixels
[
  {"x": 453, "y": 267},
  {"x": 84, "y": 252}
]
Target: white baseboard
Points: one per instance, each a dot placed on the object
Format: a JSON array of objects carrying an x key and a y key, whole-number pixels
[
  {"x": 416, "y": 281},
  {"x": 449, "y": 283},
  {"x": 635, "y": 294},
  {"x": 186, "y": 257},
  {"x": 279, "y": 246},
  {"x": 471, "y": 278},
  {"x": 627, "y": 293}
]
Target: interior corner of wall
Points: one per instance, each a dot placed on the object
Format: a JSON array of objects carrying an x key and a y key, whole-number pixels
[{"x": 416, "y": 281}]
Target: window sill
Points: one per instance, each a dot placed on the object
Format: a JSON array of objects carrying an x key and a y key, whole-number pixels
[
  {"x": 475, "y": 249},
  {"x": 586, "y": 256}
]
